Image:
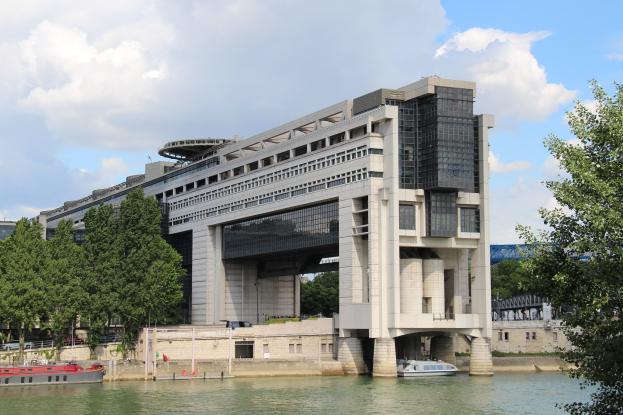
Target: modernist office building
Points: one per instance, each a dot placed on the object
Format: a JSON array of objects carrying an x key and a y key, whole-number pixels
[{"x": 394, "y": 183}]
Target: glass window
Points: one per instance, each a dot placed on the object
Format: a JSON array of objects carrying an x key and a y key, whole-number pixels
[
  {"x": 441, "y": 214},
  {"x": 312, "y": 226},
  {"x": 470, "y": 219},
  {"x": 406, "y": 217}
]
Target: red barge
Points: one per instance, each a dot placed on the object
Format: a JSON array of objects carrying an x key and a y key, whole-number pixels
[{"x": 50, "y": 375}]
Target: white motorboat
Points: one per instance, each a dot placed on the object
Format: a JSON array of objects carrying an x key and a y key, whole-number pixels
[{"x": 420, "y": 368}]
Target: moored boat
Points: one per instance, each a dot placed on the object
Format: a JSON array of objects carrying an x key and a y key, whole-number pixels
[
  {"x": 421, "y": 368},
  {"x": 50, "y": 374}
]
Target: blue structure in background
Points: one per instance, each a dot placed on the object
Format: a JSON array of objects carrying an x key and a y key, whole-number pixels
[{"x": 504, "y": 252}]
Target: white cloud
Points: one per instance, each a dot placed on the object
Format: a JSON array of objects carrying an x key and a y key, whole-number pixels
[
  {"x": 497, "y": 166},
  {"x": 129, "y": 75},
  {"x": 109, "y": 171},
  {"x": 80, "y": 89},
  {"x": 517, "y": 205},
  {"x": 511, "y": 82},
  {"x": 615, "y": 57}
]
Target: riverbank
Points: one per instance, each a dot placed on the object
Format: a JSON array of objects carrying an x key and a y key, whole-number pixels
[
  {"x": 525, "y": 364},
  {"x": 124, "y": 371}
]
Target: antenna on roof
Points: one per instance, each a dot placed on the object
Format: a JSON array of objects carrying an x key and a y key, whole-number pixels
[{"x": 149, "y": 157}]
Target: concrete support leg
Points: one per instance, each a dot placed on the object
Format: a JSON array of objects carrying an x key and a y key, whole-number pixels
[
  {"x": 480, "y": 362},
  {"x": 442, "y": 348},
  {"x": 350, "y": 356},
  {"x": 384, "y": 364}
]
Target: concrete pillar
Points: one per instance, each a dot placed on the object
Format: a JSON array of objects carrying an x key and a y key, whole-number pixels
[
  {"x": 442, "y": 348},
  {"x": 433, "y": 285},
  {"x": 411, "y": 285},
  {"x": 384, "y": 364},
  {"x": 480, "y": 362},
  {"x": 350, "y": 355}
]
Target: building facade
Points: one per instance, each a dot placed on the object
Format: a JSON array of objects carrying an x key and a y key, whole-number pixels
[
  {"x": 6, "y": 229},
  {"x": 394, "y": 183}
]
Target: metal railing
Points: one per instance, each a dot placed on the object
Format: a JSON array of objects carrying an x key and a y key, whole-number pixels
[
  {"x": 443, "y": 316},
  {"x": 49, "y": 344}
]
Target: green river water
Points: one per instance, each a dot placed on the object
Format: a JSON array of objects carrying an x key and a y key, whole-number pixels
[{"x": 462, "y": 394}]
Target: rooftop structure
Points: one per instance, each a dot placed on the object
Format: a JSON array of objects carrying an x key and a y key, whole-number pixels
[
  {"x": 192, "y": 149},
  {"x": 394, "y": 184}
]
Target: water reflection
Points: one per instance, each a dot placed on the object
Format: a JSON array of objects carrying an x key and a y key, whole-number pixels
[{"x": 502, "y": 394}]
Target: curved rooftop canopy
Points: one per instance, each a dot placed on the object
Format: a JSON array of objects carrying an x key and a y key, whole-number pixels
[{"x": 192, "y": 148}]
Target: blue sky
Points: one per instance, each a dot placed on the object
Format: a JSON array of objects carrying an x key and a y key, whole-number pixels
[{"x": 90, "y": 91}]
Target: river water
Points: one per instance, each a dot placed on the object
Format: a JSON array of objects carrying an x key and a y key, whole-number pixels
[{"x": 502, "y": 394}]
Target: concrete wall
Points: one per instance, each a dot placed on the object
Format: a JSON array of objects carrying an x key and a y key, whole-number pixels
[
  {"x": 511, "y": 337},
  {"x": 305, "y": 340}
]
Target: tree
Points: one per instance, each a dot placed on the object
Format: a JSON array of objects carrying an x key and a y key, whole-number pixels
[
  {"x": 578, "y": 262},
  {"x": 64, "y": 290},
  {"x": 101, "y": 280},
  {"x": 509, "y": 278},
  {"x": 321, "y": 295},
  {"x": 22, "y": 278},
  {"x": 151, "y": 270}
]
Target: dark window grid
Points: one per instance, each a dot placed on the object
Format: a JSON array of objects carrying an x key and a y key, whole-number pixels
[
  {"x": 406, "y": 217},
  {"x": 303, "y": 228}
]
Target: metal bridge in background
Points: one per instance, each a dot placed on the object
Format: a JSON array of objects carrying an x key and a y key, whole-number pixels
[{"x": 504, "y": 252}]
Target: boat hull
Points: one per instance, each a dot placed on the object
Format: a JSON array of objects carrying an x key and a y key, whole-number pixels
[
  {"x": 96, "y": 376},
  {"x": 426, "y": 374}
]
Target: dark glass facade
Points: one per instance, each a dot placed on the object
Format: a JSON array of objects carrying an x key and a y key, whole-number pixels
[
  {"x": 407, "y": 141},
  {"x": 438, "y": 152},
  {"x": 470, "y": 220},
  {"x": 406, "y": 217},
  {"x": 183, "y": 243},
  {"x": 436, "y": 140},
  {"x": 309, "y": 227},
  {"x": 441, "y": 214}
]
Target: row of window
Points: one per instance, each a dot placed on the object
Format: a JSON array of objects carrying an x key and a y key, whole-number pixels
[
  {"x": 313, "y": 165},
  {"x": 470, "y": 218},
  {"x": 274, "y": 196},
  {"x": 269, "y": 161},
  {"x": 529, "y": 335},
  {"x": 23, "y": 379}
]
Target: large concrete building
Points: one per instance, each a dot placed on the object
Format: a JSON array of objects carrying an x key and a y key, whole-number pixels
[{"x": 394, "y": 183}]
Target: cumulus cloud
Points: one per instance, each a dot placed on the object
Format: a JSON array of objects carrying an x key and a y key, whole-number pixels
[
  {"x": 80, "y": 88},
  {"x": 121, "y": 75},
  {"x": 511, "y": 82},
  {"x": 497, "y": 166}
]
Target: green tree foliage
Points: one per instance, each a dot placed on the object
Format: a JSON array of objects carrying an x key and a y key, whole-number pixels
[
  {"x": 101, "y": 282},
  {"x": 509, "y": 278},
  {"x": 579, "y": 261},
  {"x": 64, "y": 296},
  {"x": 125, "y": 271},
  {"x": 151, "y": 270},
  {"x": 321, "y": 295},
  {"x": 22, "y": 278}
]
